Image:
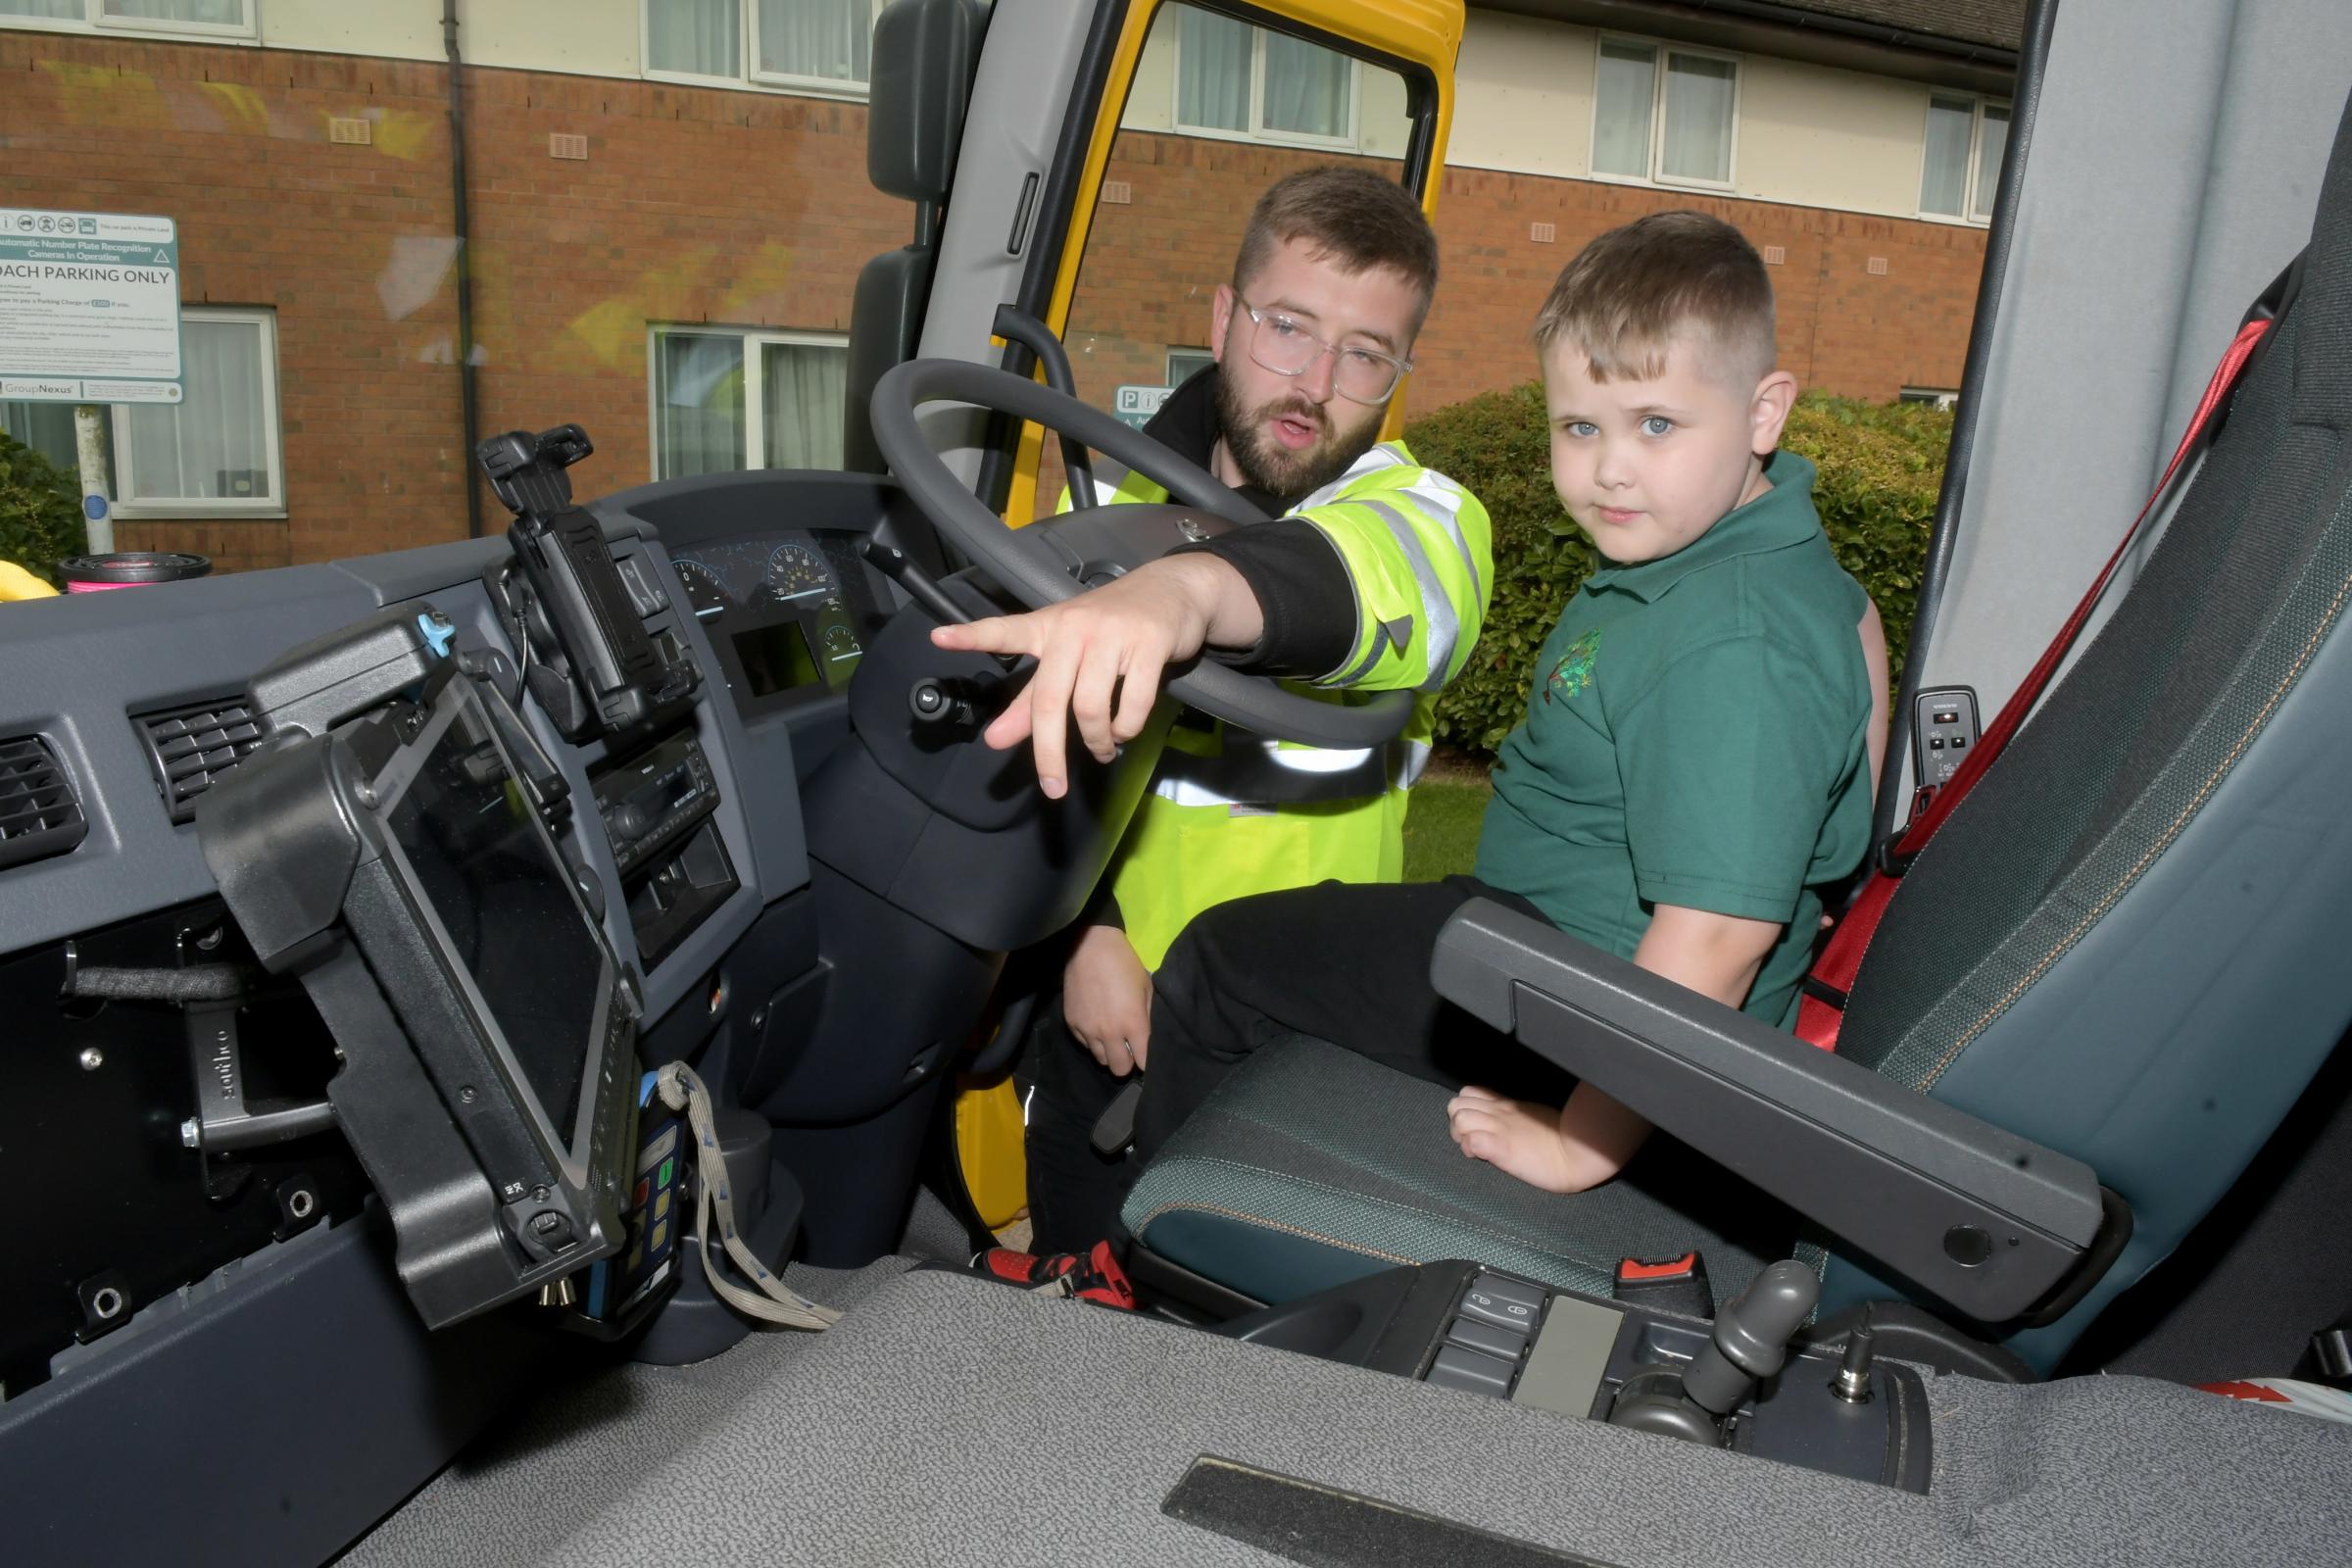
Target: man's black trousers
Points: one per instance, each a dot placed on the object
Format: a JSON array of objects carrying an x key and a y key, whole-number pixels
[{"x": 1342, "y": 963}]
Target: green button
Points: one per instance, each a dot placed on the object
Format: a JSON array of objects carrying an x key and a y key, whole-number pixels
[{"x": 662, "y": 1180}]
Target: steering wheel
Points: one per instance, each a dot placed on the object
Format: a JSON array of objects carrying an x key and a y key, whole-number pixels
[{"x": 1060, "y": 558}]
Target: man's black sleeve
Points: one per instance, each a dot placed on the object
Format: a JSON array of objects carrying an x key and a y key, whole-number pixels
[{"x": 1303, "y": 590}]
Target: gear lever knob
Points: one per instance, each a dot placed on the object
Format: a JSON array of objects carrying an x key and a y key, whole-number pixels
[{"x": 1751, "y": 1338}]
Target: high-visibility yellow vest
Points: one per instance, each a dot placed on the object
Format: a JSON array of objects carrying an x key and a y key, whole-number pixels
[{"x": 1231, "y": 813}]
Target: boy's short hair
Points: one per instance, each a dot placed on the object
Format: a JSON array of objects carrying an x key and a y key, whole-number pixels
[
  {"x": 1629, "y": 294},
  {"x": 1350, "y": 214}
]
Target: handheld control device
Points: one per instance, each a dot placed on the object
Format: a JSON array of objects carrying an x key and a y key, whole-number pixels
[
  {"x": 396, "y": 851},
  {"x": 595, "y": 666}
]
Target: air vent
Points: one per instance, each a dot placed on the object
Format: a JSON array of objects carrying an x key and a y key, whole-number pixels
[
  {"x": 190, "y": 747},
  {"x": 38, "y": 814}
]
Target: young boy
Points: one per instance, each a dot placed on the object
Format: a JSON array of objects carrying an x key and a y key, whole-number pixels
[{"x": 1694, "y": 763}]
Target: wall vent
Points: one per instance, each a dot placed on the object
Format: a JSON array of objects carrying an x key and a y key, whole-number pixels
[
  {"x": 1876, "y": 267},
  {"x": 1118, "y": 192},
  {"x": 1775, "y": 255},
  {"x": 562, "y": 144},
  {"x": 38, "y": 814},
  {"x": 350, "y": 133},
  {"x": 191, "y": 747},
  {"x": 1543, "y": 233}
]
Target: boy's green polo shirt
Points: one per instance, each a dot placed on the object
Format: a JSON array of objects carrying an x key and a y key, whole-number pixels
[{"x": 1697, "y": 735}]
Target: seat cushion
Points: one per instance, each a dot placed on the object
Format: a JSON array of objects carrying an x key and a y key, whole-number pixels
[{"x": 1312, "y": 1165}]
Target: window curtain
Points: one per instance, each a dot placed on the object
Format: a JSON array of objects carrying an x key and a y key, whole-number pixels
[
  {"x": 47, "y": 428},
  {"x": 694, "y": 37},
  {"x": 1624, "y": 92},
  {"x": 698, "y": 405},
  {"x": 830, "y": 39},
  {"x": 1698, "y": 144},
  {"x": 804, "y": 388},
  {"x": 222, "y": 13},
  {"x": 211, "y": 445},
  {"x": 1212, "y": 74},
  {"x": 1306, "y": 87},
  {"x": 1943, "y": 183},
  {"x": 1989, "y": 161}
]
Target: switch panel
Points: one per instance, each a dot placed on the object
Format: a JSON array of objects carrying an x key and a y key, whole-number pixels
[{"x": 1943, "y": 729}]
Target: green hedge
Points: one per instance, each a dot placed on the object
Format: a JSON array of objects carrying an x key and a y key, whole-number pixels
[
  {"x": 40, "y": 510},
  {"x": 1881, "y": 467}
]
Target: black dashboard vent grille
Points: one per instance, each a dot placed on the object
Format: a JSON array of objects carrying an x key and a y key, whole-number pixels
[
  {"x": 190, "y": 747},
  {"x": 38, "y": 814}
]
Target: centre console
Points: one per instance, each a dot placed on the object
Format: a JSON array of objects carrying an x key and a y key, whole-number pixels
[{"x": 1744, "y": 1379}]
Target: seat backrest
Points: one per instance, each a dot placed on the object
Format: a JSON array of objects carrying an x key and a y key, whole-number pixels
[{"x": 2128, "y": 943}]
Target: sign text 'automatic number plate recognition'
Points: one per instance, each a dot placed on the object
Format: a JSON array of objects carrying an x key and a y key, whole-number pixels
[{"x": 90, "y": 306}]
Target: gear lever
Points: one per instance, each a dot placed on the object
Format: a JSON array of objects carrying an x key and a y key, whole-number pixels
[{"x": 1750, "y": 1344}]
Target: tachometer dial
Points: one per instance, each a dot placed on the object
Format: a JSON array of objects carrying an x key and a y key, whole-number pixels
[
  {"x": 796, "y": 571},
  {"x": 705, "y": 590}
]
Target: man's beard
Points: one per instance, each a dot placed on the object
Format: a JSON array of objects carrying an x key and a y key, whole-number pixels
[{"x": 1272, "y": 467}]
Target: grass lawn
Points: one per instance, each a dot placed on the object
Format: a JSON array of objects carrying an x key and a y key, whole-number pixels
[{"x": 1441, "y": 825}]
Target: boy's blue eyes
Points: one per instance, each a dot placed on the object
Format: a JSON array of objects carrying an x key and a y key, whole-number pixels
[{"x": 1656, "y": 425}]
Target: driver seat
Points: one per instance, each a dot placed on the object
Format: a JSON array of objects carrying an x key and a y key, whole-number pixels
[{"x": 2127, "y": 944}]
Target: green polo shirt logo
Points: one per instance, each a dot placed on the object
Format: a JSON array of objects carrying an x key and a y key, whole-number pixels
[{"x": 1574, "y": 672}]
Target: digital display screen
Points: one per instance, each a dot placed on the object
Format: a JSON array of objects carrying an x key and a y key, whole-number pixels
[
  {"x": 776, "y": 658},
  {"x": 483, "y": 865}
]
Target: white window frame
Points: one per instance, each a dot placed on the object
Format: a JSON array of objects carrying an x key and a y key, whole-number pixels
[
  {"x": 273, "y": 454},
  {"x": 747, "y": 51},
  {"x": 1168, "y": 364},
  {"x": 1933, "y": 396},
  {"x": 1658, "y": 115},
  {"x": 1351, "y": 141},
  {"x": 755, "y": 384},
  {"x": 94, "y": 19},
  {"x": 1977, "y": 104}
]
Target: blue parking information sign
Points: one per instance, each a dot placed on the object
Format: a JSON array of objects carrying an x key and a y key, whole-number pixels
[
  {"x": 1135, "y": 405},
  {"x": 90, "y": 306}
]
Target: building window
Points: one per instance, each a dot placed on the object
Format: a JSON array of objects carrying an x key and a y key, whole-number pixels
[
  {"x": 725, "y": 400},
  {"x": 827, "y": 45},
  {"x": 46, "y": 427},
  {"x": 1183, "y": 365},
  {"x": 1938, "y": 397},
  {"x": 1671, "y": 125},
  {"x": 1245, "y": 82},
  {"x": 1967, "y": 139},
  {"x": 226, "y": 18},
  {"x": 214, "y": 453}
]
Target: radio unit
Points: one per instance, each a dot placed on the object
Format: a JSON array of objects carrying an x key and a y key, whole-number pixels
[
  {"x": 673, "y": 864},
  {"x": 649, "y": 802}
]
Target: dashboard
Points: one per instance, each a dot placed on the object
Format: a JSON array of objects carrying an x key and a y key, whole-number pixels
[{"x": 789, "y": 613}]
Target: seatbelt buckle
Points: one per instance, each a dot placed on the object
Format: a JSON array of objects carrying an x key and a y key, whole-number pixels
[
  {"x": 2333, "y": 1348},
  {"x": 1676, "y": 1284}
]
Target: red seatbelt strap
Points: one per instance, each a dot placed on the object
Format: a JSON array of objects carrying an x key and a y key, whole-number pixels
[{"x": 1821, "y": 1010}]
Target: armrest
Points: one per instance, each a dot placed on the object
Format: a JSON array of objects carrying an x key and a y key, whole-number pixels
[{"x": 1992, "y": 1223}]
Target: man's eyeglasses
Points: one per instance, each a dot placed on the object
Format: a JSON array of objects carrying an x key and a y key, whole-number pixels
[{"x": 1280, "y": 343}]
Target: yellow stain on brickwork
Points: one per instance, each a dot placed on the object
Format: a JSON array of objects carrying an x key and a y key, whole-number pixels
[
  {"x": 761, "y": 282},
  {"x": 240, "y": 111},
  {"x": 403, "y": 133},
  {"x": 94, "y": 95}
]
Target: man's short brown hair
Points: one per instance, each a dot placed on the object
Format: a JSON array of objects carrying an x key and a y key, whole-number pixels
[
  {"x": 1350, "y": 215},
  {"x": 1627, "y": 296}
]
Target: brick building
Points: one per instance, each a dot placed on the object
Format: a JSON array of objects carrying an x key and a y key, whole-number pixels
[{"x": 667, "y": 209}]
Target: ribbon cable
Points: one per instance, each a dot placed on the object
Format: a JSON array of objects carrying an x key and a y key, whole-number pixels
[
  {"x": 1822, "y": 1008},
  {"x": 773, "y": 1303}
]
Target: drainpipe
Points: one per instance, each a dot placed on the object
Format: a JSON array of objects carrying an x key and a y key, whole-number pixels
[{"x": 471, "y": 414}]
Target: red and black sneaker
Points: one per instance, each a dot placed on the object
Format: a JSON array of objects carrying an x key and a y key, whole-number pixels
[{"x": 1092, "y": 1276}]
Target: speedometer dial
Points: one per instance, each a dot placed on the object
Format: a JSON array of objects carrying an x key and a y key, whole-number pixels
[{"x": 796, "y": 571}]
